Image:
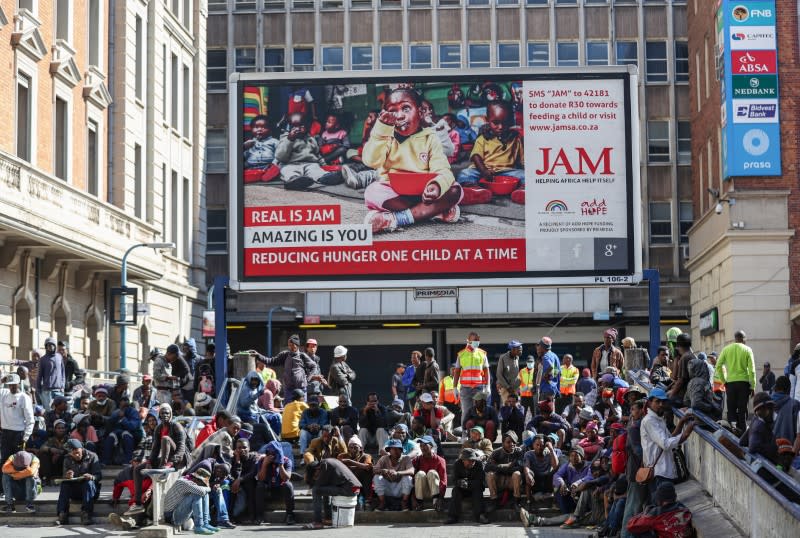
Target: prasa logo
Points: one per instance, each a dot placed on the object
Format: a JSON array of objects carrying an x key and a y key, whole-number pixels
[
  {"x": 594, "y": 207},
  {"x": 575, "y": 162}
]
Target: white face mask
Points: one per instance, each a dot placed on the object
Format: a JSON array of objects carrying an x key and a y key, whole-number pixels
[
  {"x": 530, "y": 365},
  {"x": 475, "y": 344},
  {"x": 102, "y": 402}
]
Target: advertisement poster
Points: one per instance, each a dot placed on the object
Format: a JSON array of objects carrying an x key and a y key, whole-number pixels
[{"x": 392, "y": 178}]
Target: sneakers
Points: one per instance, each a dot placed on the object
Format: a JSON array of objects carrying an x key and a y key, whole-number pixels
[
  {"x": 451, "y": 215},
  {"x": 290, "y": 520},
  {"x": 482, "y": 519},
  {"x": 226, "y": 525},
  {"x": 211, "y": 527},
  {"x": 298, "y": 183},
  {"x": 331, "y": 178},
  {"x": 525, "y": 517},
  {"x": 63, "y": 518},
  {"x": 134, "y": 510},
  {"x": 356, "y": 180},
  {"x": 381, "y": 221},
  {"x": 518, "y": 196},
  {"x": 476, "y": 195},
  {"x": 203, "y": 530},
  {"x": 86, "y": 519},
  {"x": 124, "y": 523},
  {"x": 8, "y": 509},
  {"x": 30, "y": 509}
]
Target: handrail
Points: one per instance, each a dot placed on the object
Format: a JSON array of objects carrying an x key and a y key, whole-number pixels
[{"x": 791, "y": 505}]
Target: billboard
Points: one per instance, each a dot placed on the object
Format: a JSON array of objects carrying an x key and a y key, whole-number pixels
[
  {"x": 414, "y": 179},
  {"x": 747, "y": 44}
]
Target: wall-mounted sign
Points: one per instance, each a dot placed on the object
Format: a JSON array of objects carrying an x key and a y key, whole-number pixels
[
  {"x": 709, "y": 322},
  {"x": 435, "y": 293}
]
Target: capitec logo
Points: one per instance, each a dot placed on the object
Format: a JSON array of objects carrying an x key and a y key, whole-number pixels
[
  {"x": 556, "y": 206},
  {"x": 594, "y": 207},
  {"x": 753, "y": 38}
]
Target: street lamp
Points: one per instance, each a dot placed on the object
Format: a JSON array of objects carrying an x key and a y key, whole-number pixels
[
  {"x": 269, "y": 324},
  {"x": 122, "y": 305}
]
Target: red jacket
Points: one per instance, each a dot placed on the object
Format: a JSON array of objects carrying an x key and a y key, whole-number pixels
[
  {"x": 436, "y": 463},
  {"x": 671, "y": 521},
  {"x": 206, "y": 432}
]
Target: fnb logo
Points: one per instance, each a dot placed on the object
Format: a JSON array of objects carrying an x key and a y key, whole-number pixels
[{"x": 761, "y": 12}]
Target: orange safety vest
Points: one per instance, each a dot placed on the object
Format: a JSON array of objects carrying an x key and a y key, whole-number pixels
[
  {"x": 526, "y": 385},
  {"x": 472, "y": 366},
  {"x": 446, "y": 390}
]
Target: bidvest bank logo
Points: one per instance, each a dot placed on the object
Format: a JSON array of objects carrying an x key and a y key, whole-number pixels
[{"x": 556, "y": 206}]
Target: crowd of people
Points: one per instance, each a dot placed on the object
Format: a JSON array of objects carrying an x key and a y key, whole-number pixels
[{"x": 603, "y": 451}]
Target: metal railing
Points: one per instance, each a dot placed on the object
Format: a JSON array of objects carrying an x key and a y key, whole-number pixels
[{"x": 754, "y": 466}]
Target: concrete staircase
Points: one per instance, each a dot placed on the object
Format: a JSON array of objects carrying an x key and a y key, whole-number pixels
[{"x": 46, "y": 504}]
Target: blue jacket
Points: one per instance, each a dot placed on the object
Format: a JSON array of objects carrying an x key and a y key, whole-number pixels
[
  {"x": 569, "y": 475},
  {"x": 273, "y": 478},
  {"x": 786, "y": 410},
  {"x": 126, "y": 419},
  {"x": 51, "y": 373},
  {"x": 247, "y": 406},
  {"x": 550, "y": 362},
  {"x": 306, "y": 419}
]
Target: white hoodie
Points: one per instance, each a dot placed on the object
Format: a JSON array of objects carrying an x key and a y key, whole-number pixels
[{"x": 16, "y": 412}]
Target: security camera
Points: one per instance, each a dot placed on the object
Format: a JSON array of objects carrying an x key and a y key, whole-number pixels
[{"x": 718, "y": 208}]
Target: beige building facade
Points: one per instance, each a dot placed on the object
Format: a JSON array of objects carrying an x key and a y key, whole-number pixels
[{"x": 102, "y": 148}]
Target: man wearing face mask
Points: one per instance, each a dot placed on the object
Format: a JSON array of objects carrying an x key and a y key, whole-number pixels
[
  {"x": 169, "y": 451},
  {"x": 51, "y": 378},
  {"x": 527, "y": 386},
  {"x": 508, "y": 370},
  {"x": 472, "y": 371}
]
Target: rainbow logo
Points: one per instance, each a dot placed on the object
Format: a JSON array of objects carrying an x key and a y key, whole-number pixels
[{"x": 556, "y": 206}]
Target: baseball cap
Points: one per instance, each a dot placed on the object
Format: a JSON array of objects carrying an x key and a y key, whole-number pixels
[
  {"x": 426, "y": 398},
  {"x": 546, "y": 342},
  {"x": 74, "y": 443},
  {"x": 397, "y": 401},
  {"x": 477, "y": 429},
  {"x": 427, "y": 439},
  {"x": 657, "y": 393},
  {"x": 311, "y": 342},
  {"x": 514, "y": 344},
  {"x": 394, "y": 443},
  {"x": 12, "y": 379},
  {"x": 173, "y": 348}
]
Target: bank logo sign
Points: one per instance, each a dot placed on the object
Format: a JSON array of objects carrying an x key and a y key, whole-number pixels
[{"x": 749, "y": 87}]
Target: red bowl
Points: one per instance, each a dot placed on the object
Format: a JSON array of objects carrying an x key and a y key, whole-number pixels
[
  {"x": 331, "y": 167},
  {"x": 501, "y": 185},
  {"x": 409, "y": 183}
]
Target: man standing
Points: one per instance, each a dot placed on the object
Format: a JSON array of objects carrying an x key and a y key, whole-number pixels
[
  {"x": 341, "y": 376},
  {"x": 298, "y": 368},
  {"x": 637, "y": 493},
  {"x": 409, "y": 375},
  {"x": 162, "y": 376},
  {"x": 70, "y": 365},
  {"x": 527, "y": 382},
  {"x": 657, "y": 442},
  {"x": 740, "y": 378},
  {"x": 430, "y": 378},
  {"x": 311, "y": 350},
  {"x": 50, "y": 381},
  {"x": 680, "y": 373},
  {"x": 448, "y": 396},
  {"x": 569, "y": 378},
  {"x": 472, "y": 371},
  {"x": 551, "y": 370},
  {"x": 508, "y": 370},
  {"x": 80, "y": 463},
  {"x": 16, "y": 417},
  {"x": 607, "y": 354},
  {"x": 398, "y": 388},
  {"x": 767, "y": 379}
]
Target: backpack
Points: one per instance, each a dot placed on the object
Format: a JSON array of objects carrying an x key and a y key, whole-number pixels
[{"x": 619, "y": 457}]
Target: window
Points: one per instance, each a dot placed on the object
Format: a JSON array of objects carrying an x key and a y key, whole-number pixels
[
  {"x": 566, "y": 2},
  {"x": 449, "y": 2},
  {"x": 595, "y": 1},
  {"x": 26, "y": 4},
  {"x": 175, "y": 211},
  {"x": 166, "y": 221},
  {"x": 479, "y": 55},
  {"x": 361, "y": 58},
  {"x": 61, "y": 138},
  {"x": 508, "y": 55},
  {"x": 507, "y": 2},
  {"x": 566, "y": 54},
  {"x": 656, "y": 59},
  {"x": 187, "y": 101},
  {"x": 268, "y": 4},
  {"x": 627, "y": 53},
  {"x": 596, "y": 53},
  {"x": 303, "y": 59},
  {"x": 187, "y": 14},
  {"x": 62, "y": 19},
  {"x": 332, "y": 59},
  {"x": 216, "y": 70},
  {"x": 94, "y": 32},
  {"x": 361, "y": 4},
  {"x": 274, "y": 60},
  {"x": 538, "y": 54},
  {"x": 24, "y": 117},
  {"x": 329, "y": 4},
  {"x": 93, "y": 159},
  {"x": 138, "y": 190},
  {"x": 681, "y": 61},
  {"x": 174, "y": 102},
  {"x": 684, "y": 142},
  {"x": 450, "y": 56},
  {"x": 660, "y": 223},
  {"x": 187, "y": 220},
  {"x": 478, "y": 2},
  {"x": 216, "y": 231},
  {"x": 217, "y": 5},
  {"x": 139, "y": 58},
  {"x": 419, "y": 3},
  {"x": 536, "y": 2},
  {"x": 391, "y": 3},
  {"x": 216, "y": 151},
  {"x": 419, "y": 57},
  {"x": 245, "y": 60},
  {"x": 658, "y": 141},
  {"x": 164, "y": 81},
  {"x": 685, "y": 219},
  {"x": 303, "y": 4},
  {"x": 391, "y": 57}
]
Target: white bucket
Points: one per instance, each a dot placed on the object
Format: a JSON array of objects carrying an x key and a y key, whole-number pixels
[{"x": 343, "y": 510}]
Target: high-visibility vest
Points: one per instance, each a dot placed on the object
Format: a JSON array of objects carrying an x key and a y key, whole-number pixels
[
  {"x": 446, "y": 390},
  {"x": 569, "y": 377},
  {"x": 471, "y": 363},
  {"x": 526, "y": 382}
]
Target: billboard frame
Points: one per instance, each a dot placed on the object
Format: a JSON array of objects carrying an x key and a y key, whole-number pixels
[{"x": 631, "y": 275}]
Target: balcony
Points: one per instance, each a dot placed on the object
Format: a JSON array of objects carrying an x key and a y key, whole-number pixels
[{"x": 41, "y": 213}]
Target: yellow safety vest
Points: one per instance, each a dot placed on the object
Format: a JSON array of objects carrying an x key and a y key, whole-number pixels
[
  {"x": 526, "y": 382},
  {"x": 471, "y": 363},
  {"x": 569, "y": 377}
]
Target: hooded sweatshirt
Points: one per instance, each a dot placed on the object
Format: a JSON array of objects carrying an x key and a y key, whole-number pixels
[
  {"x": 247, "y": 406},
  {"x": 698, "y": 390},
  {"x": 51, "y": 372},
  {"x": 191, "y": 356},
  {"x": 273, "y": 478},
  {"x": 786, "y": 411}
]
